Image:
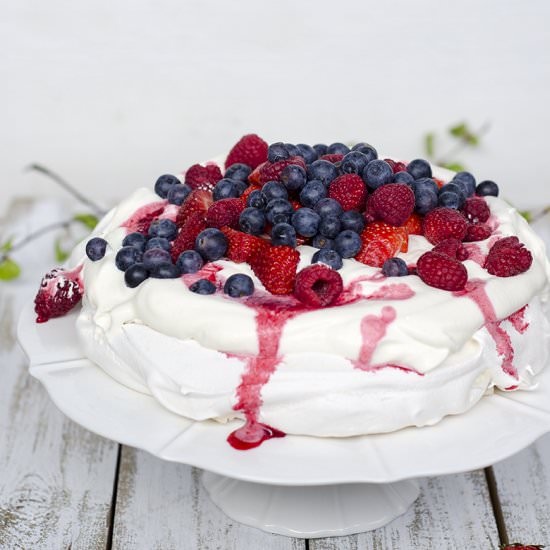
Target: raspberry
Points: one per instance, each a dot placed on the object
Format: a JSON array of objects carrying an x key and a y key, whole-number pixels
[
  {"x": 143, "y": 224},
  {"x": 272, "y": 170},
  {"x": 241, "y": 246},
  {"x": 318, "y": 286},
  {"x": 391, "y": 163},
  {"x": 413, "y": 225},
  {"x": 380, "y": 242},
  {"x": 59, "y": 292},
  {"x": 399, "y": 167},
  {"x": 441, "y": 271},
  {"x": 370, "y": 214},
  {"x": 508, "y": 257},
  {"x": 254, "y": 177},
  {"x": 250, "y": 149},
  {"x": 444, "y": 223},
  {"x": 350, "y": 191},
  {"x": 476, "y": 210},
  {"x": 452, "y": 248},
  {"x": 477, "y": 232},
  {"x": 224, "y": 212},
  {"x": 276, "y": 268},
  {"x": 203, "y": 177},
  {"x": 198, "y": 200},
  {"x": 247, "y": 192},
  {"x": 393, "y": 203},
  {"x": 185, "y": 240},
  {"x": 332, "y": 157}
]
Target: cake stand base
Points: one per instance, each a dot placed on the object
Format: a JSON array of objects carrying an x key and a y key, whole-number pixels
[{"x": 311, "y": 512}]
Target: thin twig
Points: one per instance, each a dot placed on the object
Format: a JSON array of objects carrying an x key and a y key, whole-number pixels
[
  {"x": 67, "y": 186},
  {"x": 462, "y": 144}
]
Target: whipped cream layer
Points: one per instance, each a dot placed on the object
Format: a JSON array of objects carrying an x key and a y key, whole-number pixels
[{"x": 187, "y": 350}]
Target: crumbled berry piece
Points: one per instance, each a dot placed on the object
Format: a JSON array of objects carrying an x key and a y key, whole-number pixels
[
  {"x": 441, "y": 271},
  {"x": 59, "y": 292},
  {"x": 476, "y": 210},
  {"x": 203, "y": 177},
  {"x": 250, "y": 150},
  {"x": 224, "y": 212},
  {"x": 318, "y": 286},
  {"x": 508, "y": 257},
  {"x": 477, "y": 232},
  {"x": 350, "y": 191},
  {"x": 276, "y": 268},
  {"x": 393, "y": 203},
  {"x": 452, "y": 248},
  {"x": 198, "y": 200},
  {"x": 444, "y": 223}
]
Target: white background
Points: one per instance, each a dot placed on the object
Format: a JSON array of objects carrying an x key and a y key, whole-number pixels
[{"x": 112, "y": 94}]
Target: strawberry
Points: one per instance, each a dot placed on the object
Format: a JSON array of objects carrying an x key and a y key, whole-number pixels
[
  {"x": 276, "y": 267},
  {"x": 203, "y": 177},
  {"x": 477, "y": 232},
  {"x": 254, "y": 177},
  {"x": 59, "y": 292},
  {"x": 199, "y": 200},
  {"x": 185, "y": 240},
  {"x": 350, "y": 191},
  {"x": 272, "y": 170},
  {"x": 444, "y": 223},
  {"x": 318, "y": 285},
  {"x": 452, "y": 248},
  {"x": 241, "y": 246},
  {"x": 413, "y": 225},
  {"x": 476, "y": 210},
  {"x": 250, "y": 149},
  {"x": 441, "y": 271},
  {"x": 380, "y": 242},
  {"x": 249, "y": 190},
  {"x": 224, "y": 212},
  {"x": 393, "y": 203},
  {"x": 508, "y": 257}
]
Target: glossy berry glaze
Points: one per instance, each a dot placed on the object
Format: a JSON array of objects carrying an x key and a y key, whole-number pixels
[{"x": 140, "y": 220}]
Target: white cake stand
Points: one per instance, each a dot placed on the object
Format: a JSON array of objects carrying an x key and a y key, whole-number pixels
[{"x": 295, "y": 486}]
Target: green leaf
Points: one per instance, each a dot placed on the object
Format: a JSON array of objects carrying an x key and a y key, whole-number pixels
[
  {"x": 9, "y": 270},
  {"x": 429, "y": 144},
  {"x": 60, "y": 254},
  {"x": 7, "y": 246},
  {"x": 454, "y": 166},
  {"x": 89, "y": 220},
  {"x": 527, "y": 215},
  {"x": 460, "y": 130}
]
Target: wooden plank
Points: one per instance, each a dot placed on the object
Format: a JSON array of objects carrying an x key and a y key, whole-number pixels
[
  {"x": 452, "y": 512},
  {"x": 523, "y": 483},
  {"x": 56, "y": 479},
  {"x": 163, "y": 505}
]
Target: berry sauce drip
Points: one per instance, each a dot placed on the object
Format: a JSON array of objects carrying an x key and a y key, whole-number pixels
[
  {"x": 517, "y": 319},
  {"x": 141, "y": 219},
  {"x": 475, "y": 290}
]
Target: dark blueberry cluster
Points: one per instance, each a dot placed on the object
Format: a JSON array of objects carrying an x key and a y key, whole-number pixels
[{"x": 169, "y": 187}]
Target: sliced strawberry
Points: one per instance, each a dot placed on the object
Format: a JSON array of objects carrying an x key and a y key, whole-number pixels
[
  {"x": 381, "y": 241},
  {"x": 413, "y": 225},
  {"x": 224, "y": 212},
  {"x": 185, "y": 240},
  {"x": 241, "y": 246},
  {"x": 276, "y": 268},
  {"x": 199, "y": 200}
]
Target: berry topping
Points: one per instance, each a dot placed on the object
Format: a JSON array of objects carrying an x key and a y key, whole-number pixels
[
  {"x": 59, "y": 292},
  {"x": 330, "y": 226},
  {"x": 395, "y": 267},
  {"x": 366, "y": 149},
  {"x": 321, "y": 149},
  {"x": 250, "y": 150},
  {"x": 466, "y": 182},
  {"x": 403, "y": 177},
  {"x": 203, "y": 177},
  {"x": 224, "y": 212},
  {"x": 322, "y": 170},
  {"x": 476, "y": 210},
  {"x": 332, "y": 157},
  {"x": 241, "y": 247},
  {"x": 293, "y": 177},
  {"x": 328, "y": 207},
  {"x": 188, "y": 233},
  {"x": 307, "y": 152},
  {"x": 197, "y": 201},
  {"x": 137, "y": 240},
  {"x": 350, "y": 191},
  {"x": 337, "y": 149},
  {"x": 487, "y": 188},
  {"x": 354, "y": 163},
  {"x": 441, "y": 271},
  {"x": 419, "y": 168},
  {"x": 154, "y": 258},
  {"x": 320, "y": 241},
  {"x": 306, "y": 222},
  {"x": 189, "y": 261},
  {"x": 452, "y": 248},
  {"x": 165, "y": 271},
  {"x": 252, "y": 220},
  {"x": 178, "y": 193},
  {"x": 277, "y": 151},
  {"x": 274, "y": 190},
  {"x": 203, "y": 286},
  {"x": 508, "y": 257},
  {"x": 164, "y": 184},
  {"x": 477, "y": 232},
  {"x": 318, "y": 286},
  {"x": 128, "y": 256},
  {"x": 444, "y": 223},
  {"x": 312, "y": 192},
  {"x": 142, "y": 224},
  {"x": 238, "y": 285},
  {"x": 158, "y": 242},
  {"x": 381, "y": 241},
  {"x": 135, "y": 275},
  {"x": 347, "y": 243},
  {"x": 352, "y": 220},
  {"x": 329, "y": 257},
  {"x": 283, "y": 234},
  {"x": 448, "y": 199},
  {"x": 376, "y": 173},
  {"x": 278, "y": 211},
  {"x": 164, "y": 228},
  {"x": 95, "y": 248},
  {"x": 272, "y": 170},
  {"x": 413, "y": 225},
  {"x": 228, "y": 189},
  {"x": 393, "y": 203},
  {"x": 238, "y": 171},
  {"x": 276, "y": 268},
  {"x": 253, "y": 197},
  {"x": 211, "y": 244}
]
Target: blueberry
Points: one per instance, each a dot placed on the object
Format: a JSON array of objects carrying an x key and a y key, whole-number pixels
[
  {"x": 487, "y": 188},
  {"x": 256, "y": 199},
  {"x": 135, "y": 275},
  {"x": 307, "y": 152},
  {"x": 203, "y": 286},
  {"x": 274, "y": 190},
  {"x": 163, "y": 228},
  {"x": 337, "y": 149},
  {"x": 189, "y": 261},
  {"x": 328, "y": 257},
  {"x": 283, "y": 234},
  {"x": 322, "y": 170},
  {"x": 293, "y": 177},
  {"x": 328, "y": 207},
  {"x": 293, "y": 151},
  {"x": 238, "y": 171},
  {"x": 347, "y": 244},
  {"x": 241, "y": 186},
  {"x": 354, "y": 163},
  {"x": 164, "y": 184},
  {"x": 155, "y": 257},
  {"x": 166, "y": 271},
  {"x": 127, "y": 256},
  {"x": 377, "y": 173},
  {"x": 403, "y": 177},
  {"x": 277, "y": 151},
  {"x": 352, "y": 220},
  {"x": 211, "y": 244},
  {"x": 367, "y": 150},
  {"x": 419, "y": 168},
  {"x": 449, "y": 200},
  {"x": 395, "y": 267},
  {"x": 95, "y": 248},
  {"x": 306, "y": 222},
  {"x": 252, "y": 221},
  {"x": 466, "y": 181},
  {"x": 330, "y": 226},
  {"x": 425, "y": 183},
  {"x": 178, "y": 193},
  {"x": 312, "y": 192},
  {"x": 158, "y": 242},
  {"x": 320, "y": 241},
  {"x": 278, "y": 211},
  {"x": 453, "y": 188},
  {"x": 425, "y": 200},
  {"x": 227, "y": 189},
  {"x": 320, "y": 149},
  {"x": 238, "y": 285},
  {"x": 138, "y": 240}
]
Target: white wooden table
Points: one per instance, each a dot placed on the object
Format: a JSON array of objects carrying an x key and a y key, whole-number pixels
[{"x": 62, "y": 487}]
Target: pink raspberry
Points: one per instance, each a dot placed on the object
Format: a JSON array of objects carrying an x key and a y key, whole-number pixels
[
  {"x": 452, "y": 248},
  {"x": 393, "y": 203},
  {"x": 441, "y": 271},
  {"x": 350, "y": 191},
  {"x": 477, "y": 232},
  {"x": 444, "y": 223},
  {"x": 203, "y": 177},
  {"x": 318, "y": 286},
  {"x": 508, "y": 257},
  {"x": 224, "y": 212},
  {"x": 476, "y": 210},
  {"x": 250, "y": 149}
]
